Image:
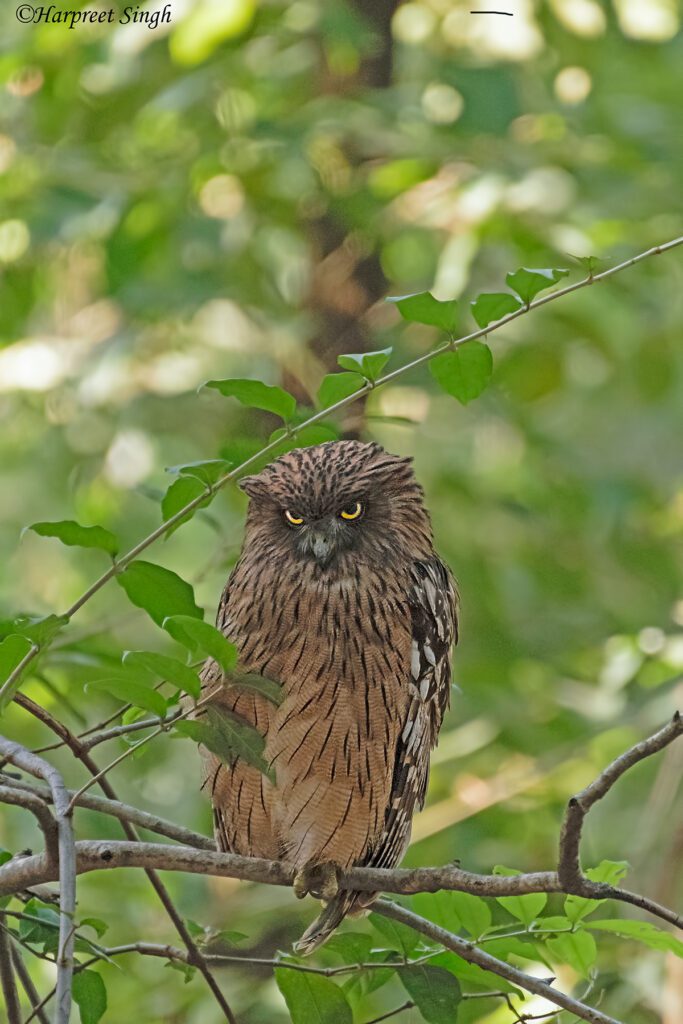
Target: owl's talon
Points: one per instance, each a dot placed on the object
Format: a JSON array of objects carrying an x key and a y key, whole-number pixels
[{"x": 320, "y": 880}]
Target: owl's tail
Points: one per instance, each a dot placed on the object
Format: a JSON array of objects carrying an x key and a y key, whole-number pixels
[{"x": 334, "y": 913}]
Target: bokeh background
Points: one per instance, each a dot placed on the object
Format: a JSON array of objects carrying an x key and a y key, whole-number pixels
[{"x": 233, "y": 194}]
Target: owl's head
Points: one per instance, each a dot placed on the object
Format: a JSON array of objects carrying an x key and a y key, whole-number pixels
[{"x": 338, "y": 503}]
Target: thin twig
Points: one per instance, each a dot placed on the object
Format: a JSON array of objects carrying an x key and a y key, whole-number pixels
[
  {"x": 7, "y": 982},
  {"x": 472, "y": 955},
  {"x": 569, "y": 869},
  {"x": 15, "y": 676},
  {"x": 20, "y": 797},
  {"x": 408, "y": 1005},
  {"x": 129, "y": 831},
  {"x": 24, "y": 977},
  {"x": 124, "y": 812},
  {"x": 39, "y": 768}
]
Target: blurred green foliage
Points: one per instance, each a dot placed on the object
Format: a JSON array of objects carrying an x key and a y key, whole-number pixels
[{"x": 231, "y": 196}]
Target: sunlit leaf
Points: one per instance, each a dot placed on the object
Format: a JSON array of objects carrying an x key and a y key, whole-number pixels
[
  {"x": 435, "y": 992},
  {"x": 202, "y": 638},
  {"x": 494, "y": 306},
  {"x": 609, "y": 871},
  {"x": 160, "y": 592},
  {"x": 473, "y": 913},
  {"x": 439, "y": 907},
  {"x": 528, "y": 283},
  {"x": 337, "y": 386},
  {"x": 423, "y": 308},
  {"x": 369, "y": 364},
  {"x": 577, "y": 949},
  {"x": 257, "y": 395},
  {"x": 131, "y": 691},
  {"x": 464, "y": 372},
  {"x": 399, "y": 936},
  {"x": 525, "y": 908},
  {"x": 312, "y": 999},
  {"x": 170, "y": 669},
  {"x": 642, "y": 931},
  {"x": 75, "y": 535}
]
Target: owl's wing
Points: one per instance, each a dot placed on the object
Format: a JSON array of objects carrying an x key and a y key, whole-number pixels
[{"x": 433, "y": 602}]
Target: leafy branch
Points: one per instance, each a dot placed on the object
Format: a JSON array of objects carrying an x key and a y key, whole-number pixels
[
  {"x": 196, "y": 856},
  {"x": 427, "y": 310}
]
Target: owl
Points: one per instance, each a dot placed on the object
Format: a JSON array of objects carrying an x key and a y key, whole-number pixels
[{"x": 339, "y": 596}]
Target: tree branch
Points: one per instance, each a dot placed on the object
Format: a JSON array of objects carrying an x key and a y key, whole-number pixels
[
  {"x": 9, "y": 686},
  {"x": 473, "y": 955},
  {"x": 7, "y": 982},
  {"x": 84, "y": 756},
  {"x": 124, "y": 812},
  {"x": 66, "y": 866},
  {"x": 28, "y": 986},
  {"x": 35, "y": 803}
]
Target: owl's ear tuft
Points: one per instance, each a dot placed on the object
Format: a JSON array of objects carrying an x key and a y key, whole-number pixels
[{"x": 254, "y": 486}]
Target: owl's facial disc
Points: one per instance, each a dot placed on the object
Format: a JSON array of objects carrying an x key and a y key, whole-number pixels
[{"x": 326, "y": 536}]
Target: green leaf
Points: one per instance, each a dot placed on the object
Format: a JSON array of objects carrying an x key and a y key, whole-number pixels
[
  {"x": 528, "y": 283},
  {"x": 96, "y": 923},
  {"x": 352, "y": 947},
  {"x": 472, "y": 975},
  {"x": 399, "y": 936},
  {"x": 201, "y": 637},
  {"x": 209, "y": 471},
  {"x": 40, "y": 924},
  {"x": 494, "y": 306},
  {"x": 75, "y": 535},
  {"x": 589, "y": 263},
  {"x": 465, "y": 372},
  {"x": 472, "y": 912},
  {"x": 159, "y": 591},
  {"x": 227, "y": 736},
  {"x": 435, "y": 992},
  {"x": 337, "y": 386},
  {"x": 188, "y": 972},
  {"x": 577, "y": 949},
  {"x": 553, "y": 924},
  {"x": 642, "y": 931},
  {"x": 170, "y": 669},
  {"x": 256, "y": 394},
  {"x": 5, "y": 855},
  {"x": 179, "y": 494},
  {"x": 369, "y": 364},
  {"x": 439, "y": 907},
  {"x": 39, "y": 629},
  {"x": 90, "y": 995},
  {"x": 525, "y": 908},
  {"x": 609, "y": 871},
  {"x": 423, "y": 308},
  {"x": 130, "y": 691},
  {"x": 12, "y": 650},
  {"x": 312, "y": 999},
  {"x": 268, "y": 688}
]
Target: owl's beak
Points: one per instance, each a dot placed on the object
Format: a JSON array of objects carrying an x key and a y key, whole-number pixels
[{"x": 321, "y": 547}]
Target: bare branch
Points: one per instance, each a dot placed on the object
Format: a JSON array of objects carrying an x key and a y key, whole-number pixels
[
  {"x": 66, "y": 867},
  {"x": 84, "y": 756},
  {"x": 473, "y": 955},
  {"x": 36, "y": 805},
  {"x": 569, "y": 870},
  {"x": 10, "y": 685},
  {"x": 17, "y": 793},
  {"x": 7, "y": 982},
  {"x": 28, "y": 986}
]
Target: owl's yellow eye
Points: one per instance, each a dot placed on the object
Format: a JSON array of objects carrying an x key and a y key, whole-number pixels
[
  {"x": 293, "y": 519},
  {"x": 352, "y": 512}
]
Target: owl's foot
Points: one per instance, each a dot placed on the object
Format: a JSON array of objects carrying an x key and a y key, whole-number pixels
[{"x": 320, "y": 880}]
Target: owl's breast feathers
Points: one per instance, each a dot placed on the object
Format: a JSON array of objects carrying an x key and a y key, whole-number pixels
[{"x": 364, "y": 668}]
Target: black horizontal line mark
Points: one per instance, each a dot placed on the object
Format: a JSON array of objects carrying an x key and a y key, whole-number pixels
[{"x": 506, "y": 14}]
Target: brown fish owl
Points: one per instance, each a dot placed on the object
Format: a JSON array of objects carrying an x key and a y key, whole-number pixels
[{"x": 339, "y": 596}]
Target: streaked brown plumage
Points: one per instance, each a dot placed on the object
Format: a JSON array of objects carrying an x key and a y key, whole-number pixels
[{"x": 355, "y": 619}]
